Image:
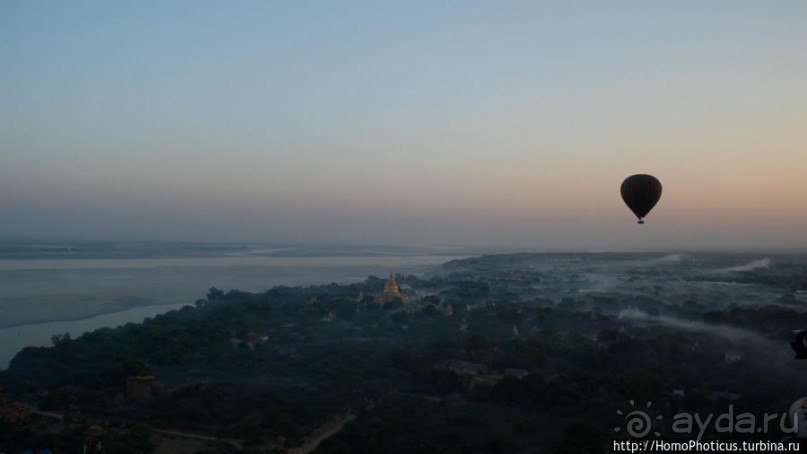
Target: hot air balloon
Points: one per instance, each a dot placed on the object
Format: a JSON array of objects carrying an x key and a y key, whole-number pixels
[{"x": 641, "y": 193}]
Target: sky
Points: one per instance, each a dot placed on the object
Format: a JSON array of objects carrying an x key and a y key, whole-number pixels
[{"x": 428, "y": 123}]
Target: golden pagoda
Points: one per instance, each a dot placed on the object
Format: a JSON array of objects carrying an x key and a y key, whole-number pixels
[
  {"x": 391, "y": 292},
  {"x": 391, "y": 287}
]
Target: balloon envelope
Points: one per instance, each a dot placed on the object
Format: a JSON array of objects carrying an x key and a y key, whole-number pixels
[{"x": 641, "y": 193}]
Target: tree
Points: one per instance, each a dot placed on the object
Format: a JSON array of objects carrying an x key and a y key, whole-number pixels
[
  {"x": 60, "y": 339},
  {"x": 214, "y": 294},
  {"x": 583, "y": 438}
]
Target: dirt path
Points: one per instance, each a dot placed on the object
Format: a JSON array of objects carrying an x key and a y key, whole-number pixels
[
  {"x": 176, "y": 433},
  {"x": 34, "y": 410},
  {"x": 322, "y": 433},
  {"x": 312, "y": 442}
]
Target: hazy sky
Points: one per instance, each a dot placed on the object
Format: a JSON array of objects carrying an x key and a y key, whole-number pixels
[{"x": 405, "y": 122}]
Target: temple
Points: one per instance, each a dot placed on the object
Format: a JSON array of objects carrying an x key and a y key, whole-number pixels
[{"x": 391, "y": 292}]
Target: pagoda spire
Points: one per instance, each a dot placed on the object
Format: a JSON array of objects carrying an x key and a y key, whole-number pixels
[{"x": 391, "y": 287}]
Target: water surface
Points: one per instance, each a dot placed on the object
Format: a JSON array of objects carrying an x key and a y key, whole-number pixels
[{"x": 40, "y": 297}]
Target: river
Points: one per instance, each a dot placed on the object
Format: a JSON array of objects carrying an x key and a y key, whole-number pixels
[{"x": 43, "y": 297}]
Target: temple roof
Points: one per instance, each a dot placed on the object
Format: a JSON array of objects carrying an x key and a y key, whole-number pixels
[{"x": 391, "y": 287}]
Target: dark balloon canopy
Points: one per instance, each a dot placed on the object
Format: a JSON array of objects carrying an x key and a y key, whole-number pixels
[{"x": 641, "y": 193}]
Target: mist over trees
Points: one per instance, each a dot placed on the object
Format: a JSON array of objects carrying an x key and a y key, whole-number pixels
[{"x": 498, "y": 353}]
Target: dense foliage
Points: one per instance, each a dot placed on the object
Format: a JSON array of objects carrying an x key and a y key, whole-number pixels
[{"x": 553, "y": 363}]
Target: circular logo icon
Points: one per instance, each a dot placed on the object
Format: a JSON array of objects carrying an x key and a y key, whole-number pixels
[{"x": 638, "y": 423}]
